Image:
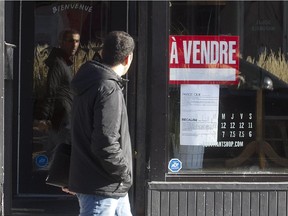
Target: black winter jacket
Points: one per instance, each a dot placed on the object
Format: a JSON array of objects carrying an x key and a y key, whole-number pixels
[
  {"x": 101, "y": 160},
  {"x": 57, "y": 106}
]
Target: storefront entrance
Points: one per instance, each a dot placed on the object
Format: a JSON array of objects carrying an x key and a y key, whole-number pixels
[
  {"x": 41, "y": 25},
  {"x": 233, "y": 172}
]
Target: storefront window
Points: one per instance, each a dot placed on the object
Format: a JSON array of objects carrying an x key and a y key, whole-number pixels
[
  {"x": 51, "y": 99},
  {"x": 222, "y": 121}
]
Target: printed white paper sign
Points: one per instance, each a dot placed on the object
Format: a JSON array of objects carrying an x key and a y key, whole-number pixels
[{"x": 199, "y": 114}]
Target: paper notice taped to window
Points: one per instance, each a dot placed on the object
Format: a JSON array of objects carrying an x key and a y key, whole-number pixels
[{"x": 199, "y": 108}]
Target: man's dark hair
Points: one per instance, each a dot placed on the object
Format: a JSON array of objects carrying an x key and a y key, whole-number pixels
[
  {"x": 63, "y": 34},
  {"x": 117, "y": 46}
]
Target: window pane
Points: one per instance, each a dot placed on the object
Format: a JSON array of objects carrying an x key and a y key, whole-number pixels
[
  {"x": 51, "y": 94},
  {"x": 251, "y": 114}
]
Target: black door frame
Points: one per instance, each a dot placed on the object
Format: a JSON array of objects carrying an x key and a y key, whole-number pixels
[{"x": 22, "y": 97}]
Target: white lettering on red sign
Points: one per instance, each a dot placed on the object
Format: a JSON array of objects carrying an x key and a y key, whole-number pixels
[{"x": 204, "y": 52}]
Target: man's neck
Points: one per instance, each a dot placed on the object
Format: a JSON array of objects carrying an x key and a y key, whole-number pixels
[{"x": 118, "y": 69}]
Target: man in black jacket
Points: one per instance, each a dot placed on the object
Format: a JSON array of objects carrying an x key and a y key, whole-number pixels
[
  {"x": 101, "y": 160},
  {"x": 56, "y": 108}
]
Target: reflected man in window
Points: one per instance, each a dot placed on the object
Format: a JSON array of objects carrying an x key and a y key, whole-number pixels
[{"x": 55, "y": 111}]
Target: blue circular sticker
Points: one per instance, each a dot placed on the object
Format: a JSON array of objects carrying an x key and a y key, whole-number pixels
[
  {"x": 41, "y": 160},
  {"x": 175, "y": 165}
]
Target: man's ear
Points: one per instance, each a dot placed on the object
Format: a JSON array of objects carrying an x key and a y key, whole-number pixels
[{"x": 126, "y": 60}]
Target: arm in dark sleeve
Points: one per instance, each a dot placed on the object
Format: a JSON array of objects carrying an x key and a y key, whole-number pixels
[
  {"x": 53, "y": 83},
  {"x": 106, "y": 135}
]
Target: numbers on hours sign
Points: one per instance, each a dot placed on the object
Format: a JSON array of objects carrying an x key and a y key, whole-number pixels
[{"x": 236, "y": 126}]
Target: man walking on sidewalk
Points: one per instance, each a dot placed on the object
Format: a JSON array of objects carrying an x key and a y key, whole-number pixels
[{"x": 101, "y": 160}]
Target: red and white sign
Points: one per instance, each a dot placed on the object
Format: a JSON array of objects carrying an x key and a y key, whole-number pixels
[{"x": 203, "y": 59}]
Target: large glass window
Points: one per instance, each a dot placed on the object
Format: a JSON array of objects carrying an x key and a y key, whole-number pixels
[
  {"x": 45, "y": 98},
  {"x": 51, "y": 103},
  {"x": 238, "y": 126}
]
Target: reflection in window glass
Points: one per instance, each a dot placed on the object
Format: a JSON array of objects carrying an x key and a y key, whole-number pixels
[
  {"x": 252, "y": 118},
  {"x": 57, "y": 57}
]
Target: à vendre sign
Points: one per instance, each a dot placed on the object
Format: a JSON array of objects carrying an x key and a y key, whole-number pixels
[{"x": 203, "y": 59}]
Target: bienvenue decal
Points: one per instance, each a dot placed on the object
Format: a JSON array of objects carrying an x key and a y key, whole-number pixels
[{"x": 72, "y": 6}]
